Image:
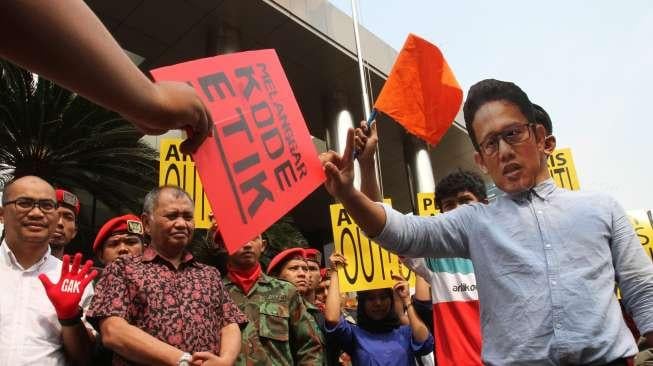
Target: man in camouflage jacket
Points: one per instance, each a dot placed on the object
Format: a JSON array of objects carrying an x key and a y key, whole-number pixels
[{"x": 280, "y": 330}]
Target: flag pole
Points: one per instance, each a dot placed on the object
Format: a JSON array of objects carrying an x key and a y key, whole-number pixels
[
  {"x": 359, "y": 54},
  {"x": 369, "y": 116}
]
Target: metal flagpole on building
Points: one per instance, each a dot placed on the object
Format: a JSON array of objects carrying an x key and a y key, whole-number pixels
[{"x": 366, "y": 98}]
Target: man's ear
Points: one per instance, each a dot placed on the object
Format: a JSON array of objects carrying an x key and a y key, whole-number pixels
[
  {"x": 540, "y": 136},
  {"x": 480, "y": 162},
  {"x": 549, "y": 144},
  {"x": 264, "y": 244},
  {"x": 145, "y": 219}
]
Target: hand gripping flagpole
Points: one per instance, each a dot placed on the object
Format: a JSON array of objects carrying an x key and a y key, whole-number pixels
[{"x": 370, "y": 114}]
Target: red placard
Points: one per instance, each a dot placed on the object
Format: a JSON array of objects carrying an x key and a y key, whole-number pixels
[{"x": 260, "y": 162}]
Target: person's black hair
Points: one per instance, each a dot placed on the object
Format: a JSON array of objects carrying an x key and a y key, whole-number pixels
[
  {"x": 387, "y": 324},
  {"x": 491, "y": 90},
  {"x": 543, "y": 118},
  {"x": 457, "y": 182}
]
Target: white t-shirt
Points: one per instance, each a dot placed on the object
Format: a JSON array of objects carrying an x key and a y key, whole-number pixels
[{"x": 30, "y": 333}]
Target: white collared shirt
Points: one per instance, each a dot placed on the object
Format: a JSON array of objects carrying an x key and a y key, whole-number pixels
[{"x": 30, "y": 333}]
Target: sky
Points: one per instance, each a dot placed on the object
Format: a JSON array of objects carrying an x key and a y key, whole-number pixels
[{"x": 588, "y": 63}]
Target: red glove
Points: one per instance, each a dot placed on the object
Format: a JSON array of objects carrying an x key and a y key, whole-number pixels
[{"x": 67, "y": 293}]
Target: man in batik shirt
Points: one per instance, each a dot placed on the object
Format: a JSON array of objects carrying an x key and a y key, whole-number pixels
[{"x": 164, "y": 307}]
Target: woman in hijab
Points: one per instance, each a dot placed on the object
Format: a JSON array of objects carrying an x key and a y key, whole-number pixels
[{"x": 378, "y": 338}]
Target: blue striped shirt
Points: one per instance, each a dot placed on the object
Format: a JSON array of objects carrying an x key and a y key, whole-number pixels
[{"x": 546, "y": 262}]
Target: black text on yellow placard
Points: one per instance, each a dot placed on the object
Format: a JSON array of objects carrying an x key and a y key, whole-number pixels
[
  {"x": 642, "y": 221},
  {"x": 426, "y": 204},
  {"x": 562, "y": 169},
  {"x": 368, "y": 265},
  {"x": 177, "y": 169}
]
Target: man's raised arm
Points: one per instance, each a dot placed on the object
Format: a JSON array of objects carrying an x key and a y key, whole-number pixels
[
  {"x": 339, "y": 183},
  {"x": 65, "y": 42}
]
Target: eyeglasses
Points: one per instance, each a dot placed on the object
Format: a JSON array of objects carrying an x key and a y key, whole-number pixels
[
  {"x": 512, "y": 136},
  {"x": 25, "y": 204}
]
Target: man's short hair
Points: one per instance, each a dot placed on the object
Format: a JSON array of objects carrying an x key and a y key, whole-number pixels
[
  {"x": 6, "y": 188},
  {"x": 491, "y": 90},
  {"x": 152, "y": 197},
  {"x": 541, "y": 117},
  {"x": 457, "y": 182}
]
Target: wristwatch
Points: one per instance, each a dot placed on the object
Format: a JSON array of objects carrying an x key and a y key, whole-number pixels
[{"x": 185, "y": 359}]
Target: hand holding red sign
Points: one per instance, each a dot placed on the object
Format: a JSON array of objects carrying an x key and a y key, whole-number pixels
[
  {"x": 66, "y": 294},
  {"x": 261, "y": 161},
  {"x": 181, "y": 108}
]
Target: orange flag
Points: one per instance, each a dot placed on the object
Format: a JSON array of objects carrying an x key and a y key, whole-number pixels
[{"x": 421, "y": 93}]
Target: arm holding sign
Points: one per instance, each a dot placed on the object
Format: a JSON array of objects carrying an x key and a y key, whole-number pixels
[
  {"x": 411, "y": 236},
  {"x": 419, "y": 331},
  {"x": 337, "y": 328},
  {"x": 67, "y": 31},
  {"x": 332, "y": 311},
  {"x": 66, "y": 296}
]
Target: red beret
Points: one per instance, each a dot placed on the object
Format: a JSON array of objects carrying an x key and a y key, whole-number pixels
[
  {"x": 284, "y": 256},
  {"x": 313, "y": 255},
  {"x": 68, "y": 199},
  {"x": 121, "y": 224}
]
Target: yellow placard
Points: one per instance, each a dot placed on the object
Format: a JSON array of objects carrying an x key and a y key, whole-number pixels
[
  {"x": 642, "y": 221},
  {"x": 426, "y": 204},
  {"x": 177, "y": 169},
  {"x": 562, "y": 169},
  {"x": 369, "y": 266}
]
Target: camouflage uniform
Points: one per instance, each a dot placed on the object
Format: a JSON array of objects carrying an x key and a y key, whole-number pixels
[
  {"x": 331, "y": 349},
  {"x": 280, "y": 329}
]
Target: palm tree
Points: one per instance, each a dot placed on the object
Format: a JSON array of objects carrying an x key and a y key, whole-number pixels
[{"x": 48, "y": 131}]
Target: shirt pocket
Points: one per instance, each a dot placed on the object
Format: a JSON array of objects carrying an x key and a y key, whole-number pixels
[{"x": 273, "y": 322}]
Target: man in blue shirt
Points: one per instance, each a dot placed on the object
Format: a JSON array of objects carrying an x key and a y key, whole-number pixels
[{"x": 546, "y": 259}]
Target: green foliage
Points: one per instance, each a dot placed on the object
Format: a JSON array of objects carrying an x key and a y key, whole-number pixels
[
  {"x": 46, "y": 130},
  {"x": 283, "y": 234}
]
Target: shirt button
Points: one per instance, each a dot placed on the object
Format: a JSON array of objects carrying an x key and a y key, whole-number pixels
[
  {"x": 558, "y": 325},
  {"x": 547, "y": 246},
  {"x": 539, "y": 212},
  {"x": 554, "y": 283}
]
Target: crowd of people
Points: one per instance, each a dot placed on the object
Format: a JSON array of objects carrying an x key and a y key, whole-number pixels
[
  {"x": 151, "y": 302},
  {"x": 544, "y": 261}
]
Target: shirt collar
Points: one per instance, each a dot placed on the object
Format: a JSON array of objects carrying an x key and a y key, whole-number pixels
[
  {"x": 263, "y": 278},
  {"x": 9, "y": 259},
  {"x": 542, "y": 190},
  {"x": 149, "y": 254}
]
